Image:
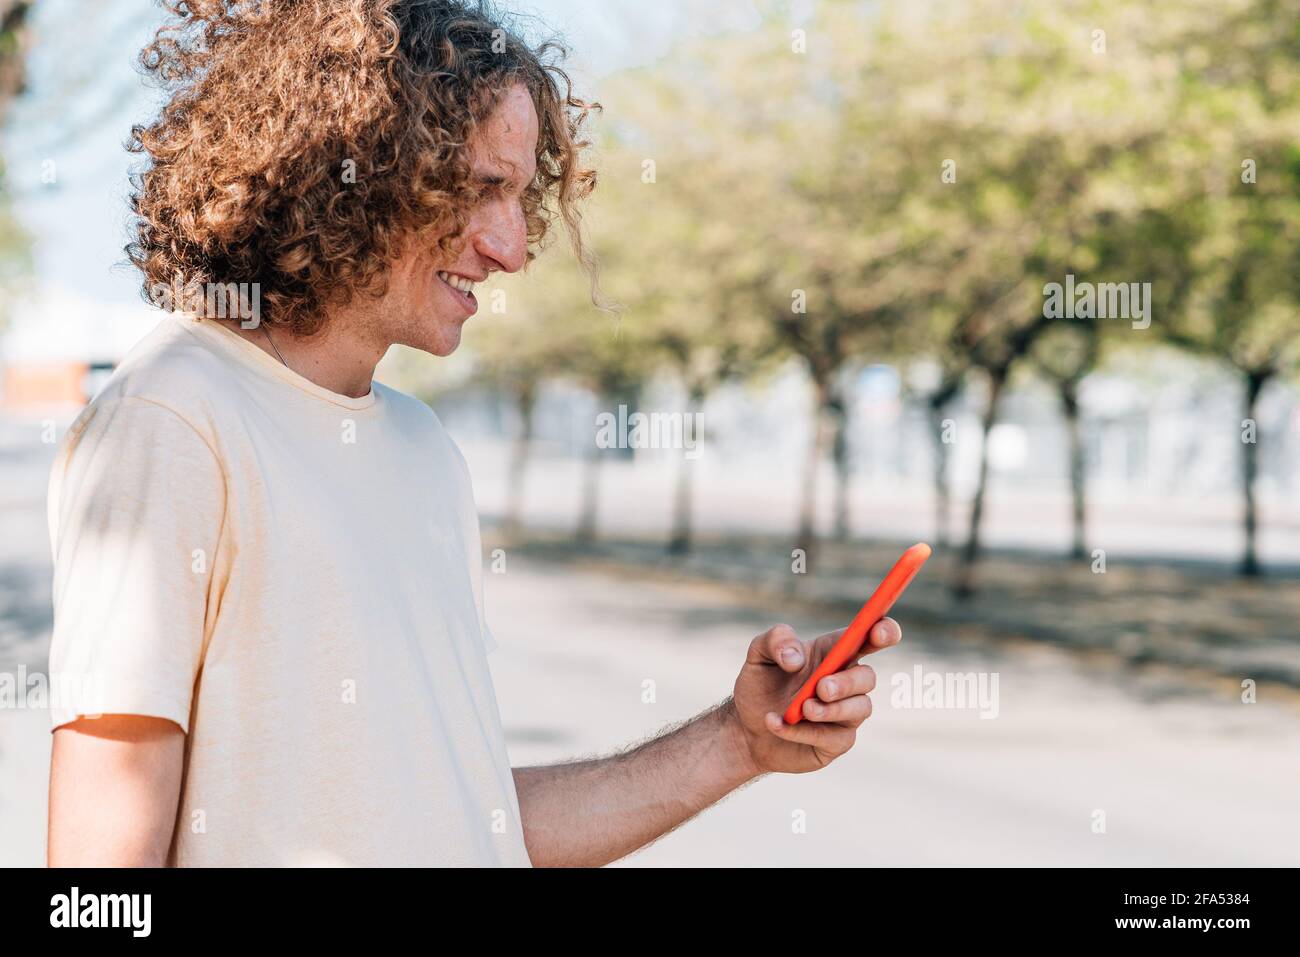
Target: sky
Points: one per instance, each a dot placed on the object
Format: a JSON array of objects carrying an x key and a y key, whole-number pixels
[{"x": 84, "y": 92}]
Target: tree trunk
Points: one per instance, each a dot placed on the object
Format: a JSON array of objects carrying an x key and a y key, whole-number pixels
[
  {"x": 1255, "y": 382},
  {"x": 586, "y": 531},
  {"x": 837, "y": 407},
  {"x": 680, "y": 541},
  {"x": 525, "y": 395},
  {"x": 942, "y": 497},
  {"x": 1069, "y": 392},
  {"x": 807, "y": 538},
  {"x": 965, "y": 586}
]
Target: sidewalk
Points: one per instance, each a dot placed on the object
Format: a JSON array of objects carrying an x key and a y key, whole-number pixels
[
  {"x": 1180, "y": 777},
  {"x": 1198, "y": 618}
]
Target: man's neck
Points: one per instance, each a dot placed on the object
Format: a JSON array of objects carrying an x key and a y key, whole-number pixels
[{"x": 332, "y": 358}]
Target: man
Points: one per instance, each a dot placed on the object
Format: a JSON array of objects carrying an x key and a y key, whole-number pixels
[{"x": 267, "y": 566}]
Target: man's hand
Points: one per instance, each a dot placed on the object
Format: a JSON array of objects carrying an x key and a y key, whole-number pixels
[{"x": 776, "y": 667}]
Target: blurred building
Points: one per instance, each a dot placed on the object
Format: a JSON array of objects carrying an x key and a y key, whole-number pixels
[{"x": 56, "y": 353}]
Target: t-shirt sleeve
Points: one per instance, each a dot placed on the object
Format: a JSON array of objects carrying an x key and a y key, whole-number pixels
[{"x": 137, "y": 502}]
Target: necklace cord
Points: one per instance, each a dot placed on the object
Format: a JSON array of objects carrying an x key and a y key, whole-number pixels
[{"x": 267, "y": 333}]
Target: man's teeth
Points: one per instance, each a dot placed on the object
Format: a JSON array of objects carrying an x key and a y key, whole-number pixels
[{"x": 456, "y": 282}]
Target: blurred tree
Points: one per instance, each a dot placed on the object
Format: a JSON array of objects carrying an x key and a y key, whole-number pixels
[
  {"x": 14, "y": 43},
  {"x": 669, "y": 244},
  {"x": 1148, "y": 246},
  {"x": 1065, "y": 356},
  {"x": 859, "y": 255},
  {"x": 751, "y": 215},
  {"x": 543, "y": 326},
  {"x": 1029, "y": 125},
  {"x": 828, "y": 240},
  {"x": 610, "y": 365},
  {"x": 1236, "y": 210},
  {"x": 936, "y": 383}
]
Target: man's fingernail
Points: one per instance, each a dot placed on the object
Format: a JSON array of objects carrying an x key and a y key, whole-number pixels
[
  {"x": 829, "y": 687},
  {"x": 792, "y": 656}
]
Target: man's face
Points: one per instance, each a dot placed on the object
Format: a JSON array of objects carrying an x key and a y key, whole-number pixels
[{"x": 424, "y": 308}]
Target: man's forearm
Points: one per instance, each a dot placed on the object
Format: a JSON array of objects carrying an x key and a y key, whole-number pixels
[{"x": 589, "y": 813}]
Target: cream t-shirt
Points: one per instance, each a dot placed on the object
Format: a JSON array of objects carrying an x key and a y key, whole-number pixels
[{"x": 294, "y": 577}]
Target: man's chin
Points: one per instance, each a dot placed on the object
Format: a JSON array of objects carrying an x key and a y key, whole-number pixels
[
  {"x": 435, "y": 335},
  {"x": 441, "y": 344}
]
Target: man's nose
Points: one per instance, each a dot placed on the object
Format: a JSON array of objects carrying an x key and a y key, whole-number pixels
[{"x": 503, "y": 238}]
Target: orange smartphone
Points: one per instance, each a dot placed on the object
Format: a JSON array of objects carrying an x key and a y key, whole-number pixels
[{"x": 876, "y": 608}]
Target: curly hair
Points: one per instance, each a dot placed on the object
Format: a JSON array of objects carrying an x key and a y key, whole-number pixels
[{"x": 273, "y": 102}]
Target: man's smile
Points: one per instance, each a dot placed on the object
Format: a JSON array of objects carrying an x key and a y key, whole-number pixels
[{"x": 461, "y": 288}]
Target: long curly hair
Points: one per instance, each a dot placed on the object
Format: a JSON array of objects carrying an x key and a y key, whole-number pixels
[{"x": 304, "y": 141}]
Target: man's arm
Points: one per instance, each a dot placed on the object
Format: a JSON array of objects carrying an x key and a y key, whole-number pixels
[
  {"x": 114, "y": 786},
  {"x": 589, "y": 813}
]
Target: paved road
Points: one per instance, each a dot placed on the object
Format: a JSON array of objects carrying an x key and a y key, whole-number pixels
[{"x": 1183, "y": 778}]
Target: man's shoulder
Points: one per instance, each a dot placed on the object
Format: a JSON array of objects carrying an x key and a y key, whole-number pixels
[
  {"x": 170, "y": 368},
  {"x": 405, "y": 404},
  {"x": 418, "y": 419},
  {"x": 413, "y": 413}
]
